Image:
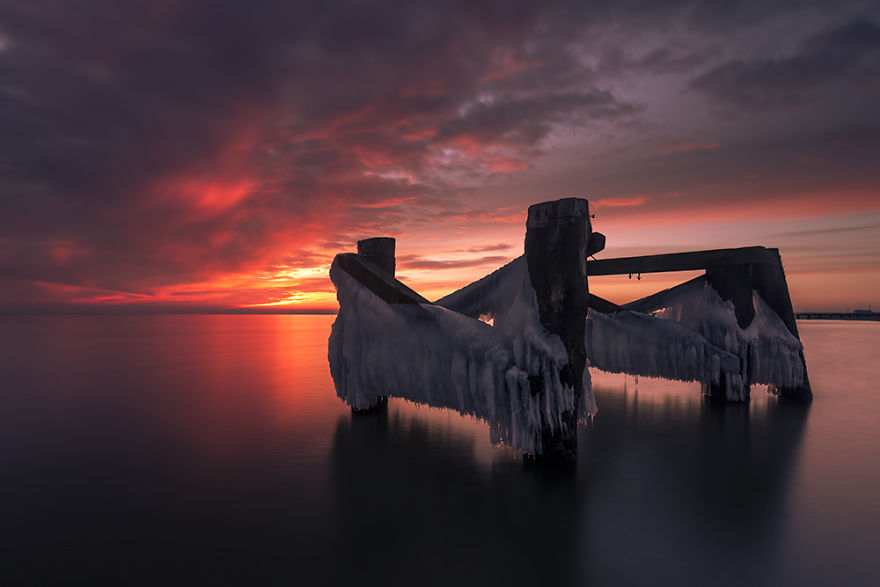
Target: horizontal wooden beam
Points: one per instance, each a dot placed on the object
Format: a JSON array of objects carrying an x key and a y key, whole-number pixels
[
  {"x": 690, "y": 261},
  {"x": 378, "y": 281}
]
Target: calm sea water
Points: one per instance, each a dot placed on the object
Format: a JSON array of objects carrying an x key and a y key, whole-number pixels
[{"x": 213, "y": 450}]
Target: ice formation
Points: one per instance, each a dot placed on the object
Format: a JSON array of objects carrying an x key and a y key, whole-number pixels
[
  {"x": 507, "y": 299},
  {"x": 443, "y": 357},
  {"x": 448, "y": 355},
  {"x": 692, "y": 334},
  {"x": 774, "y": 353},
  {"x": 639, "y": 344}
]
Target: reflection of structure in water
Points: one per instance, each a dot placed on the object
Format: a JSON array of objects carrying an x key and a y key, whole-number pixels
[{"x": 648, "y": 503}]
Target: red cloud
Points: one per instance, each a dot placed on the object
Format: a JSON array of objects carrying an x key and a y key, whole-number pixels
[{"x": 620, "y": 202}]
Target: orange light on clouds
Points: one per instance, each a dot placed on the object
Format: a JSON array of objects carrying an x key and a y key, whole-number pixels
[
  {"x": 621, "y": 202},
  {"x": 213, "y": 195},
  {"x": 313, "y": 300},
  {"x": 78, "y": 294}
]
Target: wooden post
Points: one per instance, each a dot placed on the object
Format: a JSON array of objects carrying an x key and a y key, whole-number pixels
[
  {"x": 379, "y": 251},
  {"x": 557, "y": 235},
  {"x": 734, "y": 284},
  {"x": 733, "y": 273},
  {"x": 769, "y": 278}
]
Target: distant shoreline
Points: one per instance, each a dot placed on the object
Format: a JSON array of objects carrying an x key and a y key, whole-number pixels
[
  {"x": 873, "y": 316},
  {"x": 870, "y": 317},
  {"x": 146, "y": 312}
]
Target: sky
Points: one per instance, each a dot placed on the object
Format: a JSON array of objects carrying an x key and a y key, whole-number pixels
[{"x": 170, "y": 156}]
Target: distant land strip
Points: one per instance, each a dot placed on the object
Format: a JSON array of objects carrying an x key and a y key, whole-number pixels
[{"x": 838, "y": 316}]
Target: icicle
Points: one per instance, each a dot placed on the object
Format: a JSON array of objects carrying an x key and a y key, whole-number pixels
[
  {"x": 432, "y": 355},
  {"x": 694, "y": 336}
]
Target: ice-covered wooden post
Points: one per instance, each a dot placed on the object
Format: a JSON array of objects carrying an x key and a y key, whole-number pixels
[
  {"x": 557, "y": 235},
  {"x": 734, "y": 284},
  {"x": 769, "y": 281},
  {"x": 379, "y": 251}
]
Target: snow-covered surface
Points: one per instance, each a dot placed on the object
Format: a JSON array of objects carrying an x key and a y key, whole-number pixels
[
  {"x": 440, "y": 357},
  {"x": 704, "y": 325}
]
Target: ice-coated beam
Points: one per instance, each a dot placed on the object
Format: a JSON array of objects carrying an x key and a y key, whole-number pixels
[
  {"x": 655, "y": 300},
  {"x": 600, "y": 304},
  {"x": 377, "y": 280}
]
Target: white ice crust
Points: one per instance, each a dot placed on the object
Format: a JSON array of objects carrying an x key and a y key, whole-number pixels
[
  {"x": 692, "y": 334},
  {"x": 446, "y": 358},
  {"x": 639, "y": 344},
  {"x": 447, "y": 355},
  {"x": 507, "y": 299}
]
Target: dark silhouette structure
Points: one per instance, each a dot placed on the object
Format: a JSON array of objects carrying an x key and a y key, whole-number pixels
[
  {"x": 734, "y": 274},
  {"x": 558, "y": 241}
]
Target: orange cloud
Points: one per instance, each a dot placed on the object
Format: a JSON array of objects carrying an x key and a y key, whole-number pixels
[
  {"x": 215, "y": 195},
  {"x": 620, "y": 202}
]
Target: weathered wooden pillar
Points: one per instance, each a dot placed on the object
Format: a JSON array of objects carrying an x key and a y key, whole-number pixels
[
  {"x": 557, "y": 238},
  {"x": 380, "y": 251},
  {"x": 770, "y": 283},
  {"x": 734, "y": 284}
]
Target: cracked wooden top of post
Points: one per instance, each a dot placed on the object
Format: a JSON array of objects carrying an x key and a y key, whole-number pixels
[{"x": 558, "y": 212}]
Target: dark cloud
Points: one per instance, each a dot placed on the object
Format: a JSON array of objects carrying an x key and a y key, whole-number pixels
[
  {"x": 525, "y": 121},
  {"x": 157, "y": 144},
  {"x": 849, "y": 53},
  {"x": 658, "y": 61}
]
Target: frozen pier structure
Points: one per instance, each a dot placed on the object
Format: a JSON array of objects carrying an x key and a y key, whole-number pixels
[{"x": 514, "y": 347}]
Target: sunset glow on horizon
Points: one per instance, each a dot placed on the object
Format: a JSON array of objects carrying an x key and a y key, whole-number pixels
[{"x": 193, "y": 158}]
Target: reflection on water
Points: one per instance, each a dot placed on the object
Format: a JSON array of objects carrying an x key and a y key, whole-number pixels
[
  {"x": 408, "y": 510},
  {"x": 669, "y": 488},
  {"x": 695, "y": 489},
  {"x": 213, "y": 449}
]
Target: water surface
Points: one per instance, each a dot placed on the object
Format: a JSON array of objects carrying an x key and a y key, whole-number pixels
[{"x": 212, "y": 449}]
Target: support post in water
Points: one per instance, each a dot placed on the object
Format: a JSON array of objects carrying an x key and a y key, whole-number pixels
[
  {"x": 734, "y": 284},
  {"x": 557, "y": 240},
  {"x": 380, "y": 251},
  {"x": 770, "y": 283}
]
